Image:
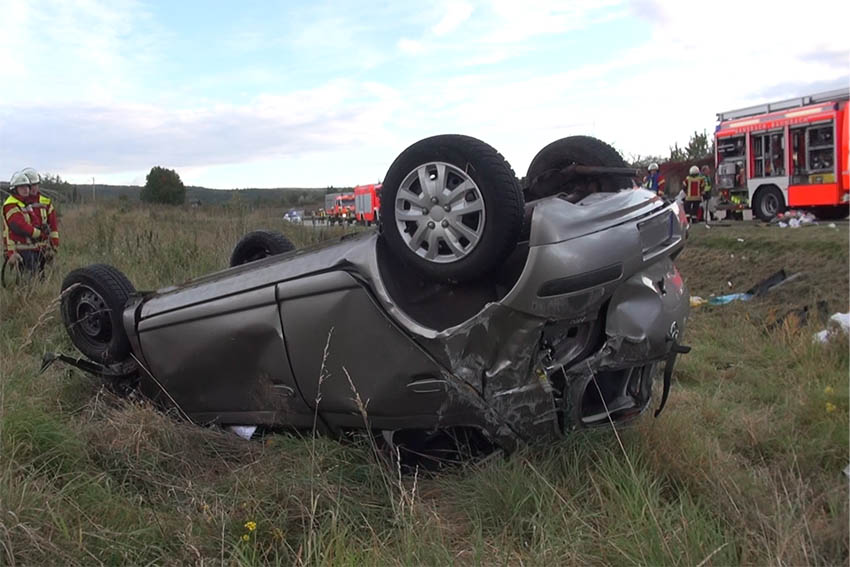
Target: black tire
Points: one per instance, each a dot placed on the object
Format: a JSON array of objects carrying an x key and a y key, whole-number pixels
[
  {"x": 543, "y": 179},
  {"x": 500, "y": 216},
  {"x": 835, "y": 212},
  {"x": 768, "y": 202},
  {"x": 92, "y": 306},
  {"x": 258, "y": 245}
]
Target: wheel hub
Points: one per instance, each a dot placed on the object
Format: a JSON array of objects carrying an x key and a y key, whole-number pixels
[
  {"x": 92, "y": 314},
  {"x": 440, "y": 212}
]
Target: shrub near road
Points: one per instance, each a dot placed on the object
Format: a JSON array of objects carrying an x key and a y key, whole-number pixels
[{"x": 744, "y": 466}]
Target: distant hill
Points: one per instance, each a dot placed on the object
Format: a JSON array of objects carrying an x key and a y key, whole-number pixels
[{"x": 281, "y": 196}]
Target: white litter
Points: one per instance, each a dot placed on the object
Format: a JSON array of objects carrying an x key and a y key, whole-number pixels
[
  {"x": 783, "y": 225},
  {"x": 243, "y": 431},
  {"x": 832, "y": 225},
  {"x": 839, "y": 322}
]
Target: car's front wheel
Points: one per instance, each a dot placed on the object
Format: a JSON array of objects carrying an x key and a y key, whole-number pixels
[
  {"x": 92, "y": 306},
  {"x": 451, "y": 208}
]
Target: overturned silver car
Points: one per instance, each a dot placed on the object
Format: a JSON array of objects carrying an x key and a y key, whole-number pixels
[{"x": 519, "y": 310}]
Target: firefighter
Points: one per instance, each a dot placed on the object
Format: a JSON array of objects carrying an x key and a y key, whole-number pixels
[
  {"x": 21, "y": 238},
  {"x": 653, "y": 181},
  {"x": 43, "y": 205},
  {"x": 694, "y": 187},
  {"x": 708, "y": 203}
]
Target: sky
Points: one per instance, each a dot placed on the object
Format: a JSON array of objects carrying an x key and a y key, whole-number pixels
[{"x": 313, "y": 94}]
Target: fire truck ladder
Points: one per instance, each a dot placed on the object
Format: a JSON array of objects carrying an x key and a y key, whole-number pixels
[{"x": 826, "y": 96}]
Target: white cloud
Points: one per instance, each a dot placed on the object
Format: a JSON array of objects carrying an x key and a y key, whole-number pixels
[
  {"x": 456, "y": 13},
  {"x": 90, "y": 49}
]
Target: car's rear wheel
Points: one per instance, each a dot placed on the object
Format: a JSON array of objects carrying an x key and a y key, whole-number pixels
[
  {"x": 92, "y": 306},
  {"x": 451, "y": 208},
  {"x": 544, "y": 177},
  {"x": 258, "y": 245}
]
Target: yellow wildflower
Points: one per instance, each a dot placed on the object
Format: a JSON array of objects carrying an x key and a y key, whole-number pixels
[
  {"x": 246, "y": 537},
  {"x": 250, "y": 526},
  {"x": 828, "y": 390},
  {"x": 830, "y": 407}
]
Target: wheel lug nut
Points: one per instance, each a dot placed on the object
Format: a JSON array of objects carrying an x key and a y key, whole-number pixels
[
  {"x": 425, "y": 211},
  {"x": 434, "y": 200},
  {"x": 447, "y": 208},
  {"x": 431, "y": 224},
  {"x": 445, "y": 223}
]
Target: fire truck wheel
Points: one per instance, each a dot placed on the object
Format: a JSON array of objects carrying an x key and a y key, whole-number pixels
[
  {"x": 451, "y": 208},
  {"x": 768, "y": 202},
  {"x": 258, "y": 245},
  {"x": 92, "y": 307},
  {"x": 543, "y": 179}
]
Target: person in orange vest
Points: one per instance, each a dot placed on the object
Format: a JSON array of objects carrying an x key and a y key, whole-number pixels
[
  {"x": 694, "y": 187},
  {"x": 46, "y": 212},
  {"x": 21, "y": 236}
]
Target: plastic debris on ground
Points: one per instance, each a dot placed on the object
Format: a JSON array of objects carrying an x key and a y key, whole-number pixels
[
  {"x": 696, "y": 301},
  {"x": 794, "y": 219},
  {"x": 838, "y": 323},
  {"x": 832, "y": 225},
  {"x": 243, "y": 431},
  {"x": 759, "y": 289}
]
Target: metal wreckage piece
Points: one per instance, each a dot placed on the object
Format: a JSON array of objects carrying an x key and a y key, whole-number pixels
[{"x": 571, "y": 334}]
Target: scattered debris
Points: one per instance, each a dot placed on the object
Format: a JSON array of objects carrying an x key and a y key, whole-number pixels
[
  {"x": 832, "y": 225},
  {"x": 243, "y": 431},
  {"x": 696, "y": 301},
  {"x": 838, "y": 323},
  {"x": 740, "y": 239},
  {"x": 794, "y": 219},
  {"x": 759, "y": 289},
  {"x": 724, "y": 299}
]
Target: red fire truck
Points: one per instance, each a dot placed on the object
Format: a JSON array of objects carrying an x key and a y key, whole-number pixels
[
  {"x": 791, "y": 153},
  {"x": 342, "y": 210},
  {"x": 367, "y": 202}
]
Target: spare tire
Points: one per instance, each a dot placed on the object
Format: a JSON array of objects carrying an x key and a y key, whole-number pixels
[
  {"x": 544, "y": 179},
  {"x": 92, "y": 306},
  {"x": 258, "y": 245},
  {"x": 451, "y": 208}
]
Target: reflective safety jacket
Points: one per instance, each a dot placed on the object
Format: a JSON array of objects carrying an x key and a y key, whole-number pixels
[
  {"x": 654, "y": 182},
  {"x": 46, "y": 216},
  {"x": 19, "y": 232},
  {"x": 694, "y": 187}
]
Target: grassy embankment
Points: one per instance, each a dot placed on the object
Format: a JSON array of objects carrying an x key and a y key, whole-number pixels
[{"x": 743, "y": 467}]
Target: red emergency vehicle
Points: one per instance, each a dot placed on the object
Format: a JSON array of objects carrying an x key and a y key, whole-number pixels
[
  {"x": 367, "y": 203},
  {"x": 791, "y": 153},
  {"x": 343, "y": 209}
]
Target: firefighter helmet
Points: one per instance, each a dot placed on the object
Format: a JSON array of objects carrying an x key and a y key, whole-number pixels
[
  {"x": 653, "y": 166},
  {"x": 694, "y": 170},
  {"x": 32, "y": 175},
  {"x": 19, "y": 178}
]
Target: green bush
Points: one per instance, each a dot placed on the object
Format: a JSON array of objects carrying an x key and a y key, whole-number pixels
[{"x": 163, "y": 186}]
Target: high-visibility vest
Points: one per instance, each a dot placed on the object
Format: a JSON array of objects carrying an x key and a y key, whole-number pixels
[
  {"x": 46, "y": 214},
  {"x": 12, "y": 241},
  {"x": 694, "y": 186}
]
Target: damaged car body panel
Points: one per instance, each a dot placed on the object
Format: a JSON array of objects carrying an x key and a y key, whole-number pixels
[{"x": 569, "y": 330}]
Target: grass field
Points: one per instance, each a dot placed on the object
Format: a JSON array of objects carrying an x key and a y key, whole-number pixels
[{"x": 743, "y": 467}]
